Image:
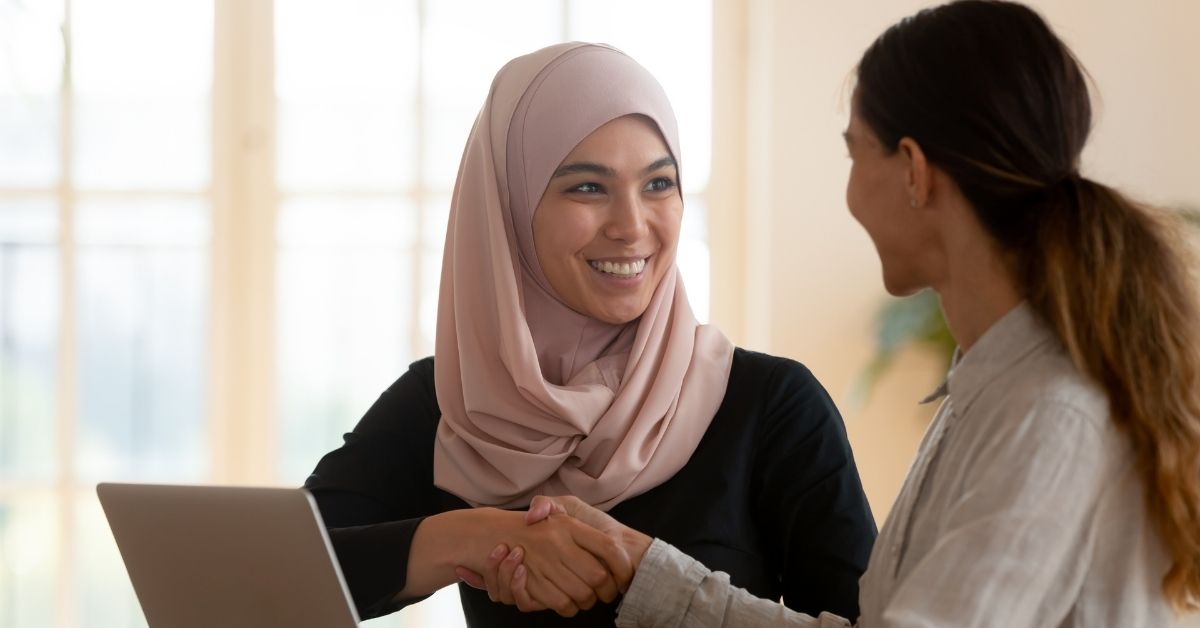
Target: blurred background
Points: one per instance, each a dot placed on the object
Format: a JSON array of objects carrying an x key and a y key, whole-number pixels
[{"x": 221, "y": 225}]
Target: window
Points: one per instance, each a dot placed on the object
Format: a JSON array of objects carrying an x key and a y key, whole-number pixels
[{"x": 220, "y": 235}]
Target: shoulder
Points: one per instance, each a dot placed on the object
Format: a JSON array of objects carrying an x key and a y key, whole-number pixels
[
  {"x": 1048, "y": 393},
  {"x": 1042, "y": 411},
  {"x": 785, "y": 392},
  {"x": 418, "y": 379},
  {"x": 421, "y": 370},
  {"x": 762, "y": 370},
  {"x": 412, "y": 395}
]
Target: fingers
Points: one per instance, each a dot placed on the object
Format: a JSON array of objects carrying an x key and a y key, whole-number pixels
[
  {"x": 596, "y": 577},
  {"x": 507, "y": 582},
  {"x": 587, "y": 513},
  {"x": 569, "y": 565},
  {"x": 555, "y": 568},
  {"x": 608, "y": 551},
  {"x": 547, "y": 591},
  {"x": 590, "y": 564},
  {"x": 493, "y": 560},
  {"x": 489, "y": 572},
  {"x": 503, "y": 575},
  {"x": 520, "y": 591}
]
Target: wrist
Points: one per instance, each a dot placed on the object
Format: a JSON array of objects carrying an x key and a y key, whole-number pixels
[
  {"x": 635, "y": 545},
  {"x": 476, "y": 532}
]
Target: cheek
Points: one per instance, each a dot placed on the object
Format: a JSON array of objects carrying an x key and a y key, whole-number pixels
[
  {"x": 855, "y": 205},
  {"x": 669, "y": 221},
  {"x": 854, "y": 193},
  {"x": 560, "y": 232},
  {"x": 868, "y": 197}
]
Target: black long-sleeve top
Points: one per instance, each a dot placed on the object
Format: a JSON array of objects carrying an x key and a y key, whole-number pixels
[{"x": 771, "y": 496}]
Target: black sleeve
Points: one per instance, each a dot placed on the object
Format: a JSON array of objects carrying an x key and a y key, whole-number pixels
[
  {"x": 809, "y": 497},
  {"x": 376, "y": 488}
]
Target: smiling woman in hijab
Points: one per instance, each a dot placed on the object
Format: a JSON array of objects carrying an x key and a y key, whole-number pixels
[{"x": 568, "y": 362}]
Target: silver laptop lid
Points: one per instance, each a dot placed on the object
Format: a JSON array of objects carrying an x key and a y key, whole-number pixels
[{"x": 233, "y": 557}]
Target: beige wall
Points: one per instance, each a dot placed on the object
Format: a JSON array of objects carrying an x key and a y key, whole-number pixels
[{"x": 795, "y": 275}]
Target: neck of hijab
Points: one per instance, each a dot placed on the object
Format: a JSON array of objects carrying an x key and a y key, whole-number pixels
[{"x": 535, "y": 397}]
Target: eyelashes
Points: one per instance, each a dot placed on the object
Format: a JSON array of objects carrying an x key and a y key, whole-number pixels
[
  {"x": 586, "y": 188},
  {"x": 658, "y": 184},
  {"x": 661, "y": 184}
]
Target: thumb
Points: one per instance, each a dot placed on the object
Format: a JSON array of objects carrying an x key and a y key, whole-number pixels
[
  {"x": 470, "y": 577},
  {"x": 542, "y": 507}
]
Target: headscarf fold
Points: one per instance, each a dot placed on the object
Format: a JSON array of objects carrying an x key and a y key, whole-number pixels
[{"x": 535, "y": 397}]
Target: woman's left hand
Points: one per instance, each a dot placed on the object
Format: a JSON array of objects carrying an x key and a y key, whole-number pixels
[{"x": 565, "y": 565}]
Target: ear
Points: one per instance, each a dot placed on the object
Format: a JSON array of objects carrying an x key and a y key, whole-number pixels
[{"x": 920, "y": 174}]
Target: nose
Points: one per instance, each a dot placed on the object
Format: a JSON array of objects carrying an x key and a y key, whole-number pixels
[{"x": 627, "y": 218}]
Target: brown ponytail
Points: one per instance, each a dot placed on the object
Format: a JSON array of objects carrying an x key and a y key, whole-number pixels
[
  {"x": 1112, "y": 283},
  {"x": 996, "y": 100}
]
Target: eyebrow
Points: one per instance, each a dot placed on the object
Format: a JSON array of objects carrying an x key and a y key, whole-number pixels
[
  {"x": 582, "y": 166},
  {"x": 849, "y": 139},
  {"x": 660, "y": 164},
  {"x": 602, "y": 170}
]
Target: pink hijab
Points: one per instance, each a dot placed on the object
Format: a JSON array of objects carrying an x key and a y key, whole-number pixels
[{"x": 535, "y": 397}]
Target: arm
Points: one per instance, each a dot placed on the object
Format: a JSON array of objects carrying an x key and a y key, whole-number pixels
[
  {"x": 375, "y": 490},
  {"x": 805, "y": 493},
  {"x": 394, "y": 539},
  {"x": 569, "y": 565},
  {"x": 669, "y": 588},
  {"x": 1008, "y": 550},
  {"x": 807, "y": 497}
]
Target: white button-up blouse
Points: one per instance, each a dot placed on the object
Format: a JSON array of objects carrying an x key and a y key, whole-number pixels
[{"x": 1023, "y": 507}]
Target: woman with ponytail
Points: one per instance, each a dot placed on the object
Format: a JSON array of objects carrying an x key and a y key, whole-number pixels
[{"x": 1059, "y": 483}]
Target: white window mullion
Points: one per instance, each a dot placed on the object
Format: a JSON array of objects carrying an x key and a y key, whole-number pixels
[
  {"x": 242, "y": 369},
  {"x": 421, "y": 192},
  {"x": 67, "y": 372},
  {"x": 566, "y": 20}
]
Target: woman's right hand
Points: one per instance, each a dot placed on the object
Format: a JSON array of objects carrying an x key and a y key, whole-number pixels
[
  {"x": 566, "y": 566},
  {"x": 510, "y": 581}
]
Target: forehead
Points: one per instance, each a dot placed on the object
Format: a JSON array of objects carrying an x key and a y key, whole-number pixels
[{"x": 627, "y": 136}]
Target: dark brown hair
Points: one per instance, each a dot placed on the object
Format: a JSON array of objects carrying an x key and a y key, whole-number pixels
[{"x": 1000, "y": 104}]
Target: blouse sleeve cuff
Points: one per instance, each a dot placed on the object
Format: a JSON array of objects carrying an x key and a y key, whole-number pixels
[
  {"x": 373, "y": 559},
  {"x": 662, "y": 587}
]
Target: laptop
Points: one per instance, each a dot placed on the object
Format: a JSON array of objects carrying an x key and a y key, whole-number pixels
[{"x": 228, "y": 557}]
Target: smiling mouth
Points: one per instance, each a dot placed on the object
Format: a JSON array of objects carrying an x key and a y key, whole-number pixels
[{"x": 623, "y": 270}]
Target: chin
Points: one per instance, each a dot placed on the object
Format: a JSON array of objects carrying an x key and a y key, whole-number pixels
[
  {"x": 901, "y": 288},
  {"x": 619, "y": 317},
  {"x": 615, "y": 319}
]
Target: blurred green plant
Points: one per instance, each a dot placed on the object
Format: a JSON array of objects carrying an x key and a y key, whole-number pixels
[
  {"x": 918, "y": 321},
  {"x": 900, "y": 323}
]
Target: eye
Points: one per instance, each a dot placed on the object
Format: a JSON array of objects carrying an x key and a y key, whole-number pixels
[
  {"x": 587, "y": 188},
  {"x": 660, "y": 184}
]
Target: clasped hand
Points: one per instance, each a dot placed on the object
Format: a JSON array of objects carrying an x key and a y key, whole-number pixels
[{"x": 570, "y": 556}]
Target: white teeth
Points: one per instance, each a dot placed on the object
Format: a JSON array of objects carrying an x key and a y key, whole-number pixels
[{"x": 626, "y": 269}]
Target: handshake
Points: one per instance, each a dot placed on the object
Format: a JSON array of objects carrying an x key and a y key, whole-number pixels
[{"x": 567, "y": 556}]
